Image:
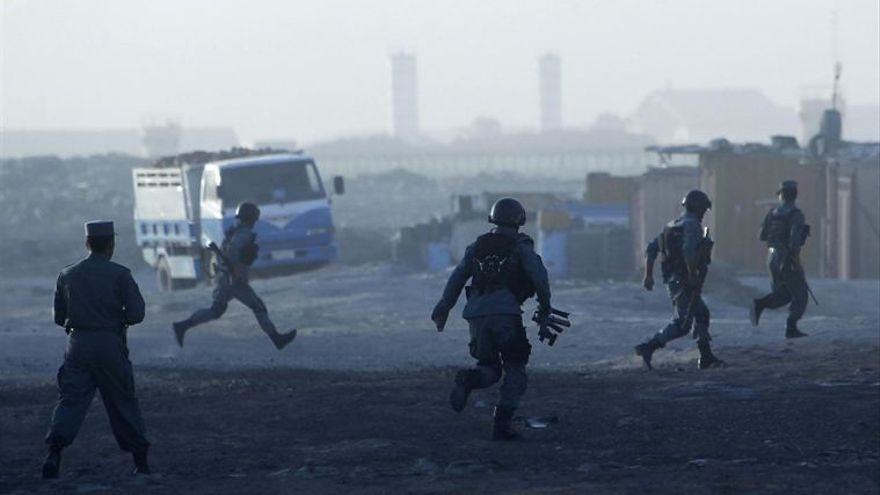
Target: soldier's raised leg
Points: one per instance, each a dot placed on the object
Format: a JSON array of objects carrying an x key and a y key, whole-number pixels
[{"x": 245, "y": 293}]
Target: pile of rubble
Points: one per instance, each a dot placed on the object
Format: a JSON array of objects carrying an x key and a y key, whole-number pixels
[{"x": 45, "y": 201}]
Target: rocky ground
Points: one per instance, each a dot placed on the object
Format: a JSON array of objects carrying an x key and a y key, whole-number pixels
[{"x": 358, "y": 403}]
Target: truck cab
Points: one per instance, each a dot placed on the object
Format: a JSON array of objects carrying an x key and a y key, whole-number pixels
[
  {"x": 184, "y": 203},
  {"x": 295, "y": 229}
]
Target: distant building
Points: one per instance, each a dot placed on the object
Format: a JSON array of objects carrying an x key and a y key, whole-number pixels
[
  {"x": 404, "y": 96},
  {"x": 550, "y": 77},
  {"x": 698, "y": 116}
]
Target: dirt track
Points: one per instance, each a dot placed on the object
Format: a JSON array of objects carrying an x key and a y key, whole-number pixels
[{"x": 790, "y": 420}]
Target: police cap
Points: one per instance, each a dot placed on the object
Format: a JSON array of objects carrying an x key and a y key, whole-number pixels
[{"x": 99, "y": 228}]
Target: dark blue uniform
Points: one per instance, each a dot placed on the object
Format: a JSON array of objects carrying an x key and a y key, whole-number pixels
[
  {"x": 95, "y": 300},
  {"x": 783, "y": 231},
  {"x": 494, "y": 309},
  {"x": 688, "y": 237},
  {"x": 232, "y": 283}
]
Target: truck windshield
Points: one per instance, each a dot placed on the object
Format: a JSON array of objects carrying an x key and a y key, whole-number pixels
[{"x": 284, "y": 182}]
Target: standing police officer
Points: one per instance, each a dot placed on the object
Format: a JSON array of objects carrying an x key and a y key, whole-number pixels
[
  {"x": 504, "y": 271},
  {"x": 682, "y": 244},
  {"x": 785, "y": 232},
  {"x": 239, "y": 251},
  {"x": 95, "y": 301}
]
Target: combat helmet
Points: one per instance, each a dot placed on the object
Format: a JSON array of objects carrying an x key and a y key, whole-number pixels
[
  {"x": 247, "y": 212},
  {"x": 696, "y": 201},
  {"x": 509, "y": 212}
]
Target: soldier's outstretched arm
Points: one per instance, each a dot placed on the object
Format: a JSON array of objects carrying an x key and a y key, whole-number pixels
[
  {"x": 454, "y": 286},
  {"x": 537, "y": 273},
  {"x": 133, "y": 301},
  {"x": 651, "y": 253},
  {"x": 60, "y": 311}
]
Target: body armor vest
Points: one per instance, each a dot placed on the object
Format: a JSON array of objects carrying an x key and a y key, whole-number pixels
[
  {"x": 671, "y": 243},
  {"x": 249, "y": 251},
  {"x": 778, "y": 227},
  {"x": 497, "y": 266}
]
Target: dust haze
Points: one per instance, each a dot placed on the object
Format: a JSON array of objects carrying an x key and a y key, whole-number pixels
[{"x": 404, "y": 122}]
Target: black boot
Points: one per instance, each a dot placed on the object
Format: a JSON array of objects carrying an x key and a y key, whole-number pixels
[
  {"x": 707, "y": 359},
  {"x": 282, "y": 339},
  {"x": 52, "y": 464},
  {"x": 646, "y": 351},
  {"x": 140, "y": 463},
  {"x": 502, "y": 429},
  {"x": 791, "y": 330},
  {"x": 755, "y": 311},
  {"x": 180, "y": 328},
  {"x": 464, "y": 383}
]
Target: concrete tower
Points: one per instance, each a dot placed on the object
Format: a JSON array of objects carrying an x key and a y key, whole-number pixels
[
  {"x": 550, "y": 76},
  {"x": 404, "y": 96}
]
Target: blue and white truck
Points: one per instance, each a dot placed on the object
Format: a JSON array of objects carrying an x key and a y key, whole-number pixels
[{"x": 185, "y": 202}]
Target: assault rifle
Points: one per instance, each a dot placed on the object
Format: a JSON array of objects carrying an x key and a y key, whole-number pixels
[
  {"x": 704, "y": 257},
  {"x": 795, "y": 262},
  {"x": 224, "y": 260}
]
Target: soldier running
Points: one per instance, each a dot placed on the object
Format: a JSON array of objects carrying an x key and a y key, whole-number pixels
[
  {"x": 785, "y": 233},
  {"x": 238, "y": 252},
  {"x": 504, "y": 271},
  {"x": 685, "y": 250},
  {"x": 95, "y": 301}
]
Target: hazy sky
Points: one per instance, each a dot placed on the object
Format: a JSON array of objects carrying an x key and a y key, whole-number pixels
[{"x": 311, "y": 69}]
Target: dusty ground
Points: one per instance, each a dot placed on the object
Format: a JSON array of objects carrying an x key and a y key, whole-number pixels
[
  {"x": 792, "y": 420},
  {"x": 358, "y": 402}
]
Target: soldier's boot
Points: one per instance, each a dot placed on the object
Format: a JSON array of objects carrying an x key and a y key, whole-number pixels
[
  {"x": 707, "y": 358},
  {"x": 140, "y": 463},
  {"x": 52, "y": 464},
  {"x": 792, "y": 331},
  {"x": 180, "y": 328},
  {"x": 502, "y": 425},
  {"x": 282, "y": 339},
  {"x": 464, "y": 384},
  {"x": 646, "y": 351},
  {"x": 755, "y": 311}
]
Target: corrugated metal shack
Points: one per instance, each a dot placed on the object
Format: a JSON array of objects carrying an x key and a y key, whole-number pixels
[
  {"x": 852, "y": 216},
  {"x": 742, "y": 181},
  {"x": 839, "y": 194}
]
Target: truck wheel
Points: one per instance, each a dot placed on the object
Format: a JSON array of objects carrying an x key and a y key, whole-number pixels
[{"x": 163, "y": 276}]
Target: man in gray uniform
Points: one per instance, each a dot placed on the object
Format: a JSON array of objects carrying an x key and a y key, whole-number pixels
[
  {"x": 95, "y": 301},
  {"x": 785, "y": 233},
  {"x": 682, "y": 244},
  {"x": 239, "y": 251},
  {"x": 504, "y": 272}
]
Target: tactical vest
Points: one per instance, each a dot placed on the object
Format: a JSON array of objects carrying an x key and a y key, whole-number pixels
[
  {"x": 778, "y": 227},
  {"x": 671, "y": 250},
  {"x": 497, "y": 266},
  {"x": 249, "y": 251}
]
